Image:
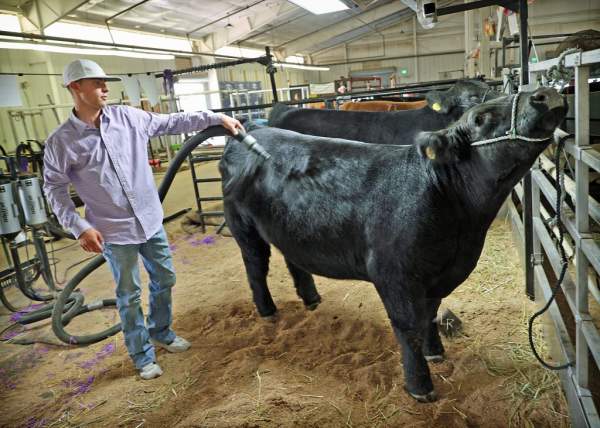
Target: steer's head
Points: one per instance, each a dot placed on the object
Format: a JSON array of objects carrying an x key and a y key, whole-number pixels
[
  {"x": 538, "y": 114},
  {"x": 460, "y": 97}
]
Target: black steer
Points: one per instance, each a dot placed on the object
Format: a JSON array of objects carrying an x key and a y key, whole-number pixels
[
  {"x": 395, "y": 127},
  {"x": 411, "y": 220}
]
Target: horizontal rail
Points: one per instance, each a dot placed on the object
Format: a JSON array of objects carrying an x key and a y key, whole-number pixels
[
  {"x": 207, "y": 180},
  {"x": 584, "y": 58}
]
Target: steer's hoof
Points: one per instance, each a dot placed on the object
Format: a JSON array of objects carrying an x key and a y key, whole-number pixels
[
  {"x": 272, "y": 317},
  {"x": 312, "y": 306},
  {"x": 435, "y": 358},
  {"x": 430, "y": 397}
]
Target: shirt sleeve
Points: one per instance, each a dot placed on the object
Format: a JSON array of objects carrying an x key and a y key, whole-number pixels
[
  {"x": 177, "y": 123},
  {"x": 56, "y": 188}
]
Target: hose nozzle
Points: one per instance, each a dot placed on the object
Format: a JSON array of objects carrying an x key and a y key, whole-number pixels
[{"x": 250, "y": 142}]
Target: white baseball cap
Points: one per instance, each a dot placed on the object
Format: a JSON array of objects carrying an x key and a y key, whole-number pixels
[{"x": 85, "y": 69}]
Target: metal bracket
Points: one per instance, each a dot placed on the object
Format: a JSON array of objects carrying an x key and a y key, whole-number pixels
[
  {"x": 536, "y": 259},
  {"x": 578, "y": 60},
  {"x": 580, "y": 236},
  {"x": 580, "y": 318},
  {"x": 579, "y": 151}
]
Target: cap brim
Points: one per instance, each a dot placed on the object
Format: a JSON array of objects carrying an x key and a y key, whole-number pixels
[{"x": 106, "y": 78}]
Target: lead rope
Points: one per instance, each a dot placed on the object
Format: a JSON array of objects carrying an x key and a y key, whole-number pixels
[
  {"x": 563, "y": 257},
  {"x": 511, "y": 134}
]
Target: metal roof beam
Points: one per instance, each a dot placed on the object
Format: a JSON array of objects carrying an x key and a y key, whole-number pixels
[
  {"x": 382, "y": 16},
  {"x": 262, "y": 15},
  {"x": 357, "y": 33},
  {"x": 43, "y": 13}
]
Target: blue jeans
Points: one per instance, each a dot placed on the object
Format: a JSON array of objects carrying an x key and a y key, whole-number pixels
[{"x": 123, "y": 261}]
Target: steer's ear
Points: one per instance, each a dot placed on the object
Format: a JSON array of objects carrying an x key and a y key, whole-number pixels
[
  {"x": 438, "y": 101},
  {"x": 443, "y": 146}
]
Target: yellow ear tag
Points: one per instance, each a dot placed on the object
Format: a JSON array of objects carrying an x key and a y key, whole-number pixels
[
  {"x": 436, "y": 107},
  {"x": 430, "y": 153}
]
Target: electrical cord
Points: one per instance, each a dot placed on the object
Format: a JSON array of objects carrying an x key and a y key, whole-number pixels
[{"x": 563, "y": 256}]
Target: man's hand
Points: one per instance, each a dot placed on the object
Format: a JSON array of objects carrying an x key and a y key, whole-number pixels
[
  {"x": 91, "y": 241},
  {"x": 232, "y": 125}
]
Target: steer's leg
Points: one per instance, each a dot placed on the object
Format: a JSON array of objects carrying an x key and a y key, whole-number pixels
[
  {"x": 432, "y": 346},
  {"x": 407, "y": 315},
  {"x": 255, "y": 253},
  {"x": 305, "y": 286}
]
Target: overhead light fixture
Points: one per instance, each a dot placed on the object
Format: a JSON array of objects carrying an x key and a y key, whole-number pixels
[
  {"x": 84, "y": 51},
  {"x": 302, "y": 66},
  {"x": 319, "y": 7}
]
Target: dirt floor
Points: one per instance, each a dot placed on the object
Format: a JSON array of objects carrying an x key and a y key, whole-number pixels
[{"x": 336, "y": 366}]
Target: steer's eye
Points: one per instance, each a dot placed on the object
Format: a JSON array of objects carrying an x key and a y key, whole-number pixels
[{"x": 479, "y": 119}]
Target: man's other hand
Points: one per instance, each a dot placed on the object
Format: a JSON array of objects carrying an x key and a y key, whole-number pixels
[
  {"x": 91, "y": 241},
  {"x": 231, "y": 124}
]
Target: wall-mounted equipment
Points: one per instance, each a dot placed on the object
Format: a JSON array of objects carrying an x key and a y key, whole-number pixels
[{"x": 427, "y": 13}]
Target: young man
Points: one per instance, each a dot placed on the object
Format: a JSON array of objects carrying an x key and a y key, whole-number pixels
[{"x": 102, "y": 151}]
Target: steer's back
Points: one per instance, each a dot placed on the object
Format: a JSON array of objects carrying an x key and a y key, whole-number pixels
[
  {"x": 394, "y": 127},
  {"x": 316, "y": 199}
]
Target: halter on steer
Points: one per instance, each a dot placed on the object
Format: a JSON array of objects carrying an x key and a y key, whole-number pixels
[{"x": 511, "y": 134}]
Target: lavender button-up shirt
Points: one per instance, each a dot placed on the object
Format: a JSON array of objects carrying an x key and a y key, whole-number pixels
[{"x": 108, "y": 166}]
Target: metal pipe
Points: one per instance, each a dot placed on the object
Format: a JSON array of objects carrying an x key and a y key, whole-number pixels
[
  {"x": 582, "y": 221},
  {"x": 527, "y": 187},
  {"x": 391, "y": 58},
  {"x": 509, "y": 4},
  {"x": 112, "y": 45},
  {"x": 271, "y": 70}
]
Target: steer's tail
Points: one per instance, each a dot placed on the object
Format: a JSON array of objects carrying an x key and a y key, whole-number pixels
[{"x": 277, "y": 112}]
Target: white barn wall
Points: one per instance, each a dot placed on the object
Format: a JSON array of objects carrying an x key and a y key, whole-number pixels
[
  {"x": 545, "y": 17},
  {"x": 35, "y": 88},
  {"x": 257, "y": 72}
]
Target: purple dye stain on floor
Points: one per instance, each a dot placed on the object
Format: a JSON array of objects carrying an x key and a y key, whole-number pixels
[
  {"x": 10, "y": 334},
  {"x": 207, "y": 240},
  {"x": 19, "y": 314},
  {"x": 34, "y": 422},
  {"x": 106, "y": 350},
  {"x": 41, "y": 350},
  {"x": 79, "y": 387}
]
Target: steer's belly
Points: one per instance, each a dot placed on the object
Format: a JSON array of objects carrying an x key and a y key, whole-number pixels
[{"x": 322, "y": 254}]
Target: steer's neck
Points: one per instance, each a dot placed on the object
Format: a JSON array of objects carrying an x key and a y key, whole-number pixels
[{"x": 491, "y": 172}]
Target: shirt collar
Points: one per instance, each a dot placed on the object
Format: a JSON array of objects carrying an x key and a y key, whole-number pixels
[{"x": 80, "y": 125}]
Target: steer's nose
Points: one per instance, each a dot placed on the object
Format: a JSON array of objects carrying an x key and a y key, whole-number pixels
[{"x": 547, "y": 97}]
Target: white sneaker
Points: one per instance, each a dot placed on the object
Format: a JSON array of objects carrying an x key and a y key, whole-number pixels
[
  {"x": 150, "y": 371},
  {"x": 179, "y": 344}
]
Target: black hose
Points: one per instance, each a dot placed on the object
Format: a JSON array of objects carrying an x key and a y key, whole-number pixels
[
  {"x": 71, "y": 309},
  {"x": 563, "y": 259},
  {"x": 57, "y": 317},
  {"x": 22, "y": 283},
  {"x": 58, "y": 322},
  {"x": 5, "y": 301}
]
